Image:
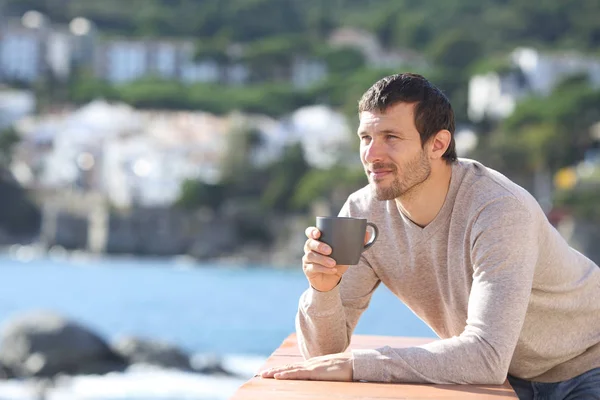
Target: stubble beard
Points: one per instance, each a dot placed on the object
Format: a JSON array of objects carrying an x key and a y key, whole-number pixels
[{"x": 415, "y": 172}]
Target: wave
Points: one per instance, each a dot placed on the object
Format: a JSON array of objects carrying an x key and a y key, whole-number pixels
[{"x": 140, "y": 382}]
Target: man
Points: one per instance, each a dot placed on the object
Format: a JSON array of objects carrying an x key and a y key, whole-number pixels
[{"x": 469, "y": 251}]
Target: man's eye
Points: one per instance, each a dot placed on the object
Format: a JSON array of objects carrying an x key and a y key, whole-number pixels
[
  {"x": 365, "y": 138},
  {"x": 392, "y": 137}
]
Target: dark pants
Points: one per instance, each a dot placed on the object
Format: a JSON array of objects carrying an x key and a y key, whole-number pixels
[{"x": 585, "y": 387}]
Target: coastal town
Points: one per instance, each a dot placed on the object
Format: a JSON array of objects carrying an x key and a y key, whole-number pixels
[{"x": 107, "y": 175}]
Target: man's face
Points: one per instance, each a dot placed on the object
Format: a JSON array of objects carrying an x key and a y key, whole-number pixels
[{"x": 391, "y": 151}]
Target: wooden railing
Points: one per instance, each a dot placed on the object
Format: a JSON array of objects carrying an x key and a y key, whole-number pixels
[{"x": 258, "y": 388}]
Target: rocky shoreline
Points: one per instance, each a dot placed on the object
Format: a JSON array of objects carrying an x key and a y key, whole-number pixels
[{"x": 45, "y": 346}]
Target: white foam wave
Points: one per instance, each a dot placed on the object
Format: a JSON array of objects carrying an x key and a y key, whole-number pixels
[
  {"x": 245, "y": 366},
  {"x": 140, "y": 382}
]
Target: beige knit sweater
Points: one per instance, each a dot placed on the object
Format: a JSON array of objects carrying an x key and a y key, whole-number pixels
[{"x": 497, "y": 283}]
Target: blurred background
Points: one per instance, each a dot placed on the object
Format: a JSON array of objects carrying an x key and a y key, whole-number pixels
[{"x": 160, "y": 160}]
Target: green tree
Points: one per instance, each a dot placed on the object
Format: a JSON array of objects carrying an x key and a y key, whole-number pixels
[
  {"x": 272, "y": 58},
  {"x": 84, "y": 87},
  {"x": 566, "y": 115},
  {"x": 343, "y": 61},
  {"x": 582, "y": 200},
  {"x": 336, "y": 182},
  {"x": 287, "y": 172},
  {"x": 19, "y": 215},
  {"x": 155, "y": 93},
  {"x": 456, "y": 51},
  {"x": 215, "y": 49},
  {"x": 197, "y": 194},
  {"x": 498, "y": 24},
  {"x": 9, "y": 139},
  {"x": 238, "y": 168}
]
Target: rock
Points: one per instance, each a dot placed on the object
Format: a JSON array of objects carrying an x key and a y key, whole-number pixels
[
  {"x": 44, "y": 344},
  {"x": 5, "y": 373},
  {"x": 209, "y": 365},
  {"x": 152, "y": 352}
]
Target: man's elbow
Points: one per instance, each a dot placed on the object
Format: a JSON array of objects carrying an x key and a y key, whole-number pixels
[
  {"x": 494, "y": 374},
  {"x": 493, "y": 364},
  {"x": 493, "y": 378},
  {"x": 499, "y": 379}
]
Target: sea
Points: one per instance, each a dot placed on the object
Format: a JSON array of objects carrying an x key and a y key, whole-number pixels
[{"x": 237, "y": 314}]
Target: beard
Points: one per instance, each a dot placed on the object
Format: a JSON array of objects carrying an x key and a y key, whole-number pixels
[{"x": 415, "y": 172}]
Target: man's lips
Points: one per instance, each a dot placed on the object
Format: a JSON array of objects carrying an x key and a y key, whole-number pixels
[{"x": 379, "y": 173}]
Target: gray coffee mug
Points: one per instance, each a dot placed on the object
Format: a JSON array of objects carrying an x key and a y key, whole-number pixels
[{"x": 346, "y": 237}]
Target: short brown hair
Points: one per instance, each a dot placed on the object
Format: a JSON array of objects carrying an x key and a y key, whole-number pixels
[{"x": 433, "y": 111}]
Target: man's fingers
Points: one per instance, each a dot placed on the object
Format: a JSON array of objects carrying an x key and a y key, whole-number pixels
[
  {"x": 312, "y": 233},
  {"x": 315, "y": 245},
  {"x": 270, "y": 373},
  {"x": 333, "y": 367},
  {"x": 316, "y": 258},
  {"x": 297, "y": 373},
  {"x": 290, "y": 371},
  {"x": 319, "y": 269}
]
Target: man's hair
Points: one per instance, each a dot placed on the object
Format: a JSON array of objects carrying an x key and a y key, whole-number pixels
[{"x": 433, "y": 111}]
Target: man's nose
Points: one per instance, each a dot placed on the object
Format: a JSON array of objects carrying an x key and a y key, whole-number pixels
[{"x": 373, "y": 152}]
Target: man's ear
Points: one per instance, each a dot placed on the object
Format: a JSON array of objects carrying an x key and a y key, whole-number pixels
[{"x": 439, "y": 144}]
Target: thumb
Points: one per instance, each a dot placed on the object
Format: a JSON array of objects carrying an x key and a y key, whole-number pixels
[{"x": 341, "y": 269}]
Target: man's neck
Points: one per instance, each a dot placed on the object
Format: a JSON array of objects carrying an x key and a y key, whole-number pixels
[{"x": 423, "y": 203}]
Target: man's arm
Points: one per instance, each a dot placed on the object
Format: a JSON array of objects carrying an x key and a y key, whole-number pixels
[
  {"x": 504, "y": 253},
  {"x": 325, "y": 320}
]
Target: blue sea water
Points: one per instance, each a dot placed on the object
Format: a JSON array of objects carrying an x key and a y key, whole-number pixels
[{"x": 204, "y": 308}]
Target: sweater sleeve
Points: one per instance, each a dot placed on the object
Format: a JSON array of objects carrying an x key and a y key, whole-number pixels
[
  {"x": 325, "y": 320},
  {"x": 504, "y": 252}
]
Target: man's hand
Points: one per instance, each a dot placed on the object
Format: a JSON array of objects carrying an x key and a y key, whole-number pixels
[
  {"x": 320, "y": 270},
  {"x": 332, "y": 367}
]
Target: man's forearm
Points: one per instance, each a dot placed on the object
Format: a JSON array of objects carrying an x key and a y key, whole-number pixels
[
  {"x": 321, "y": 324},
  {"x": 466, "y": 359}
]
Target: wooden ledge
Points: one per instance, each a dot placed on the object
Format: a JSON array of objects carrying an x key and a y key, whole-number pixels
[{"x": 271, "y": 389}]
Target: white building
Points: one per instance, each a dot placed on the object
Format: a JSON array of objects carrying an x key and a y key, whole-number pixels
[
  {"x": 495, "y": 95},
  {"x": 143, "y": 157},
  {"x": 31, "y": 46},
  {"x": 125, "y": 60},
  {"x": 164, "y": 60},
  {"x": 22, "y": 52},
  {"x": 59, "y": 53},
  {"x": 306, "y": 72},
  {"x": 324, "y": 134},
  {"x": 544, "y": 71},
  {"x": 130, "y": 156},
  {"x": 122, "y": 60},
  {"x": 14, "y": 105},
  {"x": 138, "y": 172}
]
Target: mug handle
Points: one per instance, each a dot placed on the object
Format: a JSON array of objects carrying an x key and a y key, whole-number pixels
[{"x": 374, "y": 237}]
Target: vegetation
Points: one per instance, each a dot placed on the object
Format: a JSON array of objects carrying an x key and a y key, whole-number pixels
[
  {"x": 403, "y": 23},
  {"x": 8, "y": 140},
  {"x": 456, "y": 37},
  {"x": 19, "y": 216},
  {"x": 287, "y": 184}
]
